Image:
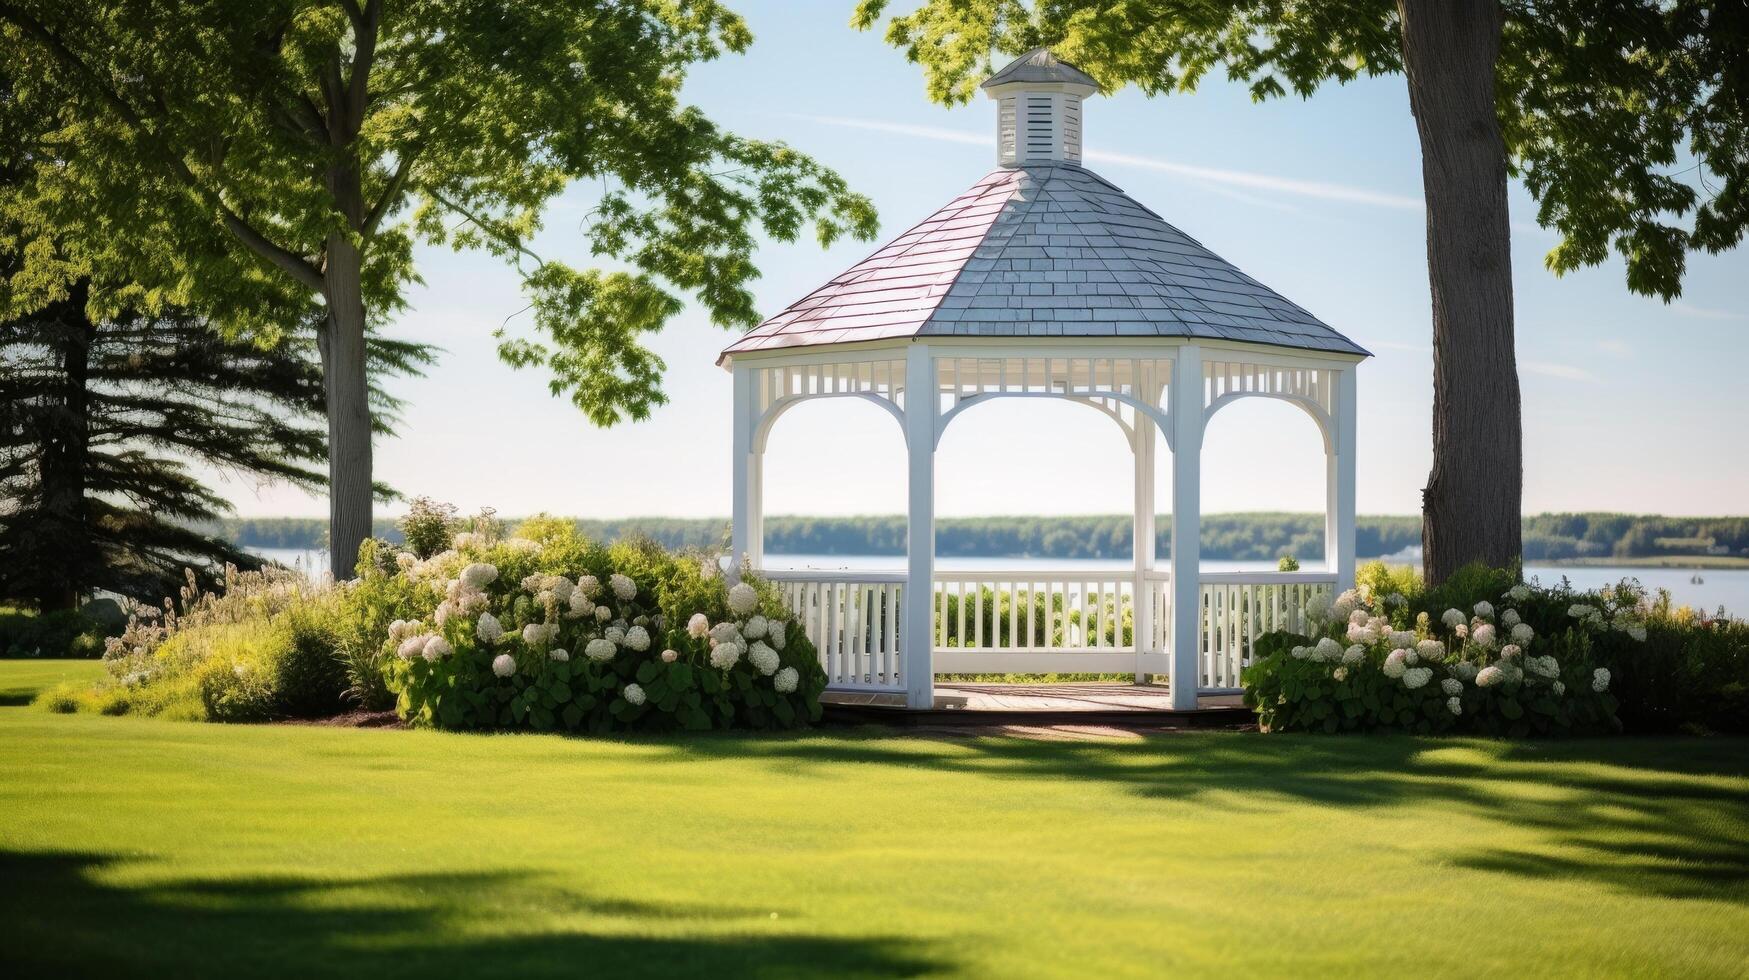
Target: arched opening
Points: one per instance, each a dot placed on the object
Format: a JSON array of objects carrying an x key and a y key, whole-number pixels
[
  {"x": 834, "y": 486},
  {"x": 1264, "y": 486}
]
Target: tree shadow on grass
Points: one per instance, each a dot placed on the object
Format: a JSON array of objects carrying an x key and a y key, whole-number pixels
[
  {"x": 61, "y": 919},
  {"x": 1666, "y": 817}
]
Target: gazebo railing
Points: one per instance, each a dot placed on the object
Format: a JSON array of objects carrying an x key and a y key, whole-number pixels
[
  {"x": 855, "y": 620},
  {"x": 1239, "y": 607},
  {"x": 1034, "y": 620}
]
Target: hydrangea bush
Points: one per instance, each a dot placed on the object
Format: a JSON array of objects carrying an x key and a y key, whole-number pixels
[
  {"x": 549, "y": 632},
  {"x": 1514, "y": 660}
]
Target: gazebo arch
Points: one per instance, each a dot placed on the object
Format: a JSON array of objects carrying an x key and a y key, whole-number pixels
[{"x": 1045, "y": 281}]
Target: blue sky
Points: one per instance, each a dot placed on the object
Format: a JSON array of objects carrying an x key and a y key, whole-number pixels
[{"x": 1629, "y": 404}]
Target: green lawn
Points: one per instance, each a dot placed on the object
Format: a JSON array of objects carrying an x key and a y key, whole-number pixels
[{"x": 133, "y": 847}]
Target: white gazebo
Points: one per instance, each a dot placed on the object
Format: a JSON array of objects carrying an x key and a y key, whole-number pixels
[{"x": 1046, "y": 281}]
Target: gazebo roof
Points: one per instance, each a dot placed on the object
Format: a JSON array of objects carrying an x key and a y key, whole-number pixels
[{"x": 1045, "y": 248}]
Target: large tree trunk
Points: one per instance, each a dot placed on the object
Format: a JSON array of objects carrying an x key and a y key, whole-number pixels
[
  {"x": 65, "y": 450},
  {"x": 348, "y": 397},
  {"x": 1471, "y": 508}
]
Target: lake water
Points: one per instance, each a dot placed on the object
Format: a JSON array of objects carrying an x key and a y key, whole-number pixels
[{"x": 1727, "y": 587}]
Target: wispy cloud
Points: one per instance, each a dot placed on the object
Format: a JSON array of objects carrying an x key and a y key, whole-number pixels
[
  {"x": 1565, "y": 372},
  {"x": 1215, "y": 176},
  {"x": 1703, "y": 312},
  {"x": 1615, "y": 348}
]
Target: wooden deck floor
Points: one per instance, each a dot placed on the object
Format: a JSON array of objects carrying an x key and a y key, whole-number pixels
[{"x": 1137, "y": 706}]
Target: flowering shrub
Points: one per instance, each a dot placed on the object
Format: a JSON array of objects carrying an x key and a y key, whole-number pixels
[
  {"x": 549, "y": 632},
  {"x": 1515, "y": 660}
]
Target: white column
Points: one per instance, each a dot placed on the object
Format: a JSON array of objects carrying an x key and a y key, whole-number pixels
[
  {"x": 747, "y": 521},
  {"x": 1339, "y": 484},
  {"x": 1187, "y": 424},
  {"x": 918, "y": 644},
  {"x": 1143, "y": 541}
]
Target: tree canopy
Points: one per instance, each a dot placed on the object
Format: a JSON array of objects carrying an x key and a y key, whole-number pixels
[{"x": 1628, "y": 120}]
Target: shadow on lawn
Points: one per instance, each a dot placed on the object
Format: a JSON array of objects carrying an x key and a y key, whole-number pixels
[
  {"x": 1667, "y": 817},
  {"x": 61, "y": 919}
]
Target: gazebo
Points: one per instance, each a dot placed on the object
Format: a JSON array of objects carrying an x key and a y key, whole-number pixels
[{"x": 1044, "y": 280}]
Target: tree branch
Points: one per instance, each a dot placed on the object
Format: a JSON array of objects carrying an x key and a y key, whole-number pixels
[{"x": 391, "y": 193}]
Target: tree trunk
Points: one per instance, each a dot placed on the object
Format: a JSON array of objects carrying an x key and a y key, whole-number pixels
[
  {"x": 1471, "y": 507},
  {"x": 66, "y": 444},
  {"x": 348, "y": 401}
]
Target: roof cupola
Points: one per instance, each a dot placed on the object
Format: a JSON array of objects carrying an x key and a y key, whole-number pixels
[{"x": 1038, "y": 114}]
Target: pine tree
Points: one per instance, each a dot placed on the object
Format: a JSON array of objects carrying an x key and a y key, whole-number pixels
[{"x": 101, "y": 423}]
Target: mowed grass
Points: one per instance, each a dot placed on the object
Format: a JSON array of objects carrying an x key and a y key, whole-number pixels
[
  {"x": 140, "y": 848},
  {"x": 20, "y": 680}
]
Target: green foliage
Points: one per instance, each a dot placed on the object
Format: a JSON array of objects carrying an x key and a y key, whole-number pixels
[
  {"x": 514, "y": 643},
  {"x": 428, "y": 526},
  {"x": 1481, "y": 654},
  {"x": 1602, "y": 105},
  {"x": 1692, "y": 674},
  {"x": 251, "y": 156},
  {"x": 1287, "y": 563},
  {"x": 63, "y": 633}
]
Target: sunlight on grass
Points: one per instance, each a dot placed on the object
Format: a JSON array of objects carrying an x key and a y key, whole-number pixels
[{"x": 140, "y": 847}]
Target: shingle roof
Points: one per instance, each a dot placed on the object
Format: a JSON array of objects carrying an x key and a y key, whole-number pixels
[
  {"x": 1043, "y": 251},
  {"x": 1039, "y": 65}
]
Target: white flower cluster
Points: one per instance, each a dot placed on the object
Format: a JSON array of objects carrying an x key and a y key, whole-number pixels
[
  {"x": 743, "y": 599},
  {"x": 786, "y": 680},
  {"x": 504, "y": 665},
  {"x": 1600, "y": 680},
  {"x": 763, "y": 658},
  {"x": 1417, "y": 677},
  {"x": 623, "y": 587},
  {"x": 600, "y": 649},
  {"x": 1452, "y": 686},
  {"x": 634, "y": 694}
]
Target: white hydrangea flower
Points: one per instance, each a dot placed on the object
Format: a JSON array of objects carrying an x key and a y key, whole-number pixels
[
  {"x": 411, "y": 647},
  {"x": 1522, "y": 634},
  {"x": 1327, "y": 650},
  {"x": 1464, "y": 670},
  {"x": 589, "y": 585},
  {"x": 669, "y": 656},
  {"x": 698, "y": 627},
  {"x": 1417, "y": 677},
  {"x": 1518, "y": 593},
  {"x": 441, "y": 614},
  {"x": 1396, "y": 599},
  {"x": 763, "y": 658},
  {"x": 725, "y": 655},
  {"x": 1358, "y": 618},
  {"x": 1544, "y": 666},
  {"x": 600, "y": 650},
  {"x": 786, "y": 680},
  {"x": 1402, "y": 639},
  {"x": 1346, "y": 603},
  {"x": 755, "y": 627},
  {"x": 1483, "y": 636},
  {"x": 1454, "y": 705},
  {"x": 1511, "y": 651},
  {"x": 504, "y": 665},
  {"x": 774, "y": 633},
  {"x": 398, "y": 630},
  {"x": 1454, "y": 618},
  {"x": 1431, "y": 649},
  {"x": 1484, "y": 609},
  {"x": 1489, "y": 676},
  {"x": 634, "y": 694},
  {"x": 615, "y": 635},
  {"x": 405, "y": 560},
  {"x": 743, "y": 598},
  {"x": 479, "y": 575},
  {"x": 1394, "y": 664},
  {"x": 436, "y": 648},
  {"x": 1558, "y": 688},
  {"x": 1339, "y": 674},
  {"x": 1358, "y": 633},
  {"x": 580, "y": 606},
  {"x": 1510, "y": 618},
  {"x": 1452, "y": 685},
  {"x": 559, "y": 654},
  {"x": 623, "y": 587},
  {"x": 534, "y": 634},
  {"x": 1600, "y": 680},
  {"x": 561, "y": 587},
  {"x": 603, "y": 614},
  {"x": 1299, "y": 653},
  {"x": 488, "y": 630},
  {"x": 725, "y": 632},
  {"x": 1353, "y": 654},
  {"x": 1580, "y": 610},
  {"x": 638, "y": 639}
]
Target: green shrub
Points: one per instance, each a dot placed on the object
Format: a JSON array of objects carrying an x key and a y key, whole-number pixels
[
  {"x": 63, "y": 633},
  {"x": 1692, "y": 674},
  {"x": 1482, "y": 653},
  {"x": 551, "y": 632}
]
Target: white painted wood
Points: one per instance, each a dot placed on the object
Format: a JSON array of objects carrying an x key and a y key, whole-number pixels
[
  {"x": 1339, "y": 492},
  {"x": 1142, "y": 538},
  {"x": 1235, "y": 608},
  {"x": 1186, "y": 396},
  {"x": 746, "y": 534},
  {"x": 920, "y": 410}
]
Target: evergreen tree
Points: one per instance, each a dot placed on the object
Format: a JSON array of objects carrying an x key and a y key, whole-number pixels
[{"x": 100, "y": 421}]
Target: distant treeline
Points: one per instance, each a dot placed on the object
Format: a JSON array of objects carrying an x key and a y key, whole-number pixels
[{"x": 1234, "y": 537}]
